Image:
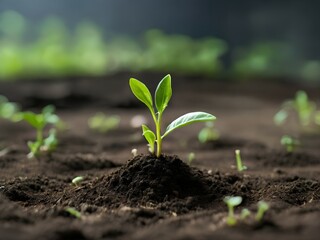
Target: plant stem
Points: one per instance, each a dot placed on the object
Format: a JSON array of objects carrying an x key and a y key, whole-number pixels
[
  {"x": 39, "y": 135},
  {"x": 158, "y": 133}
]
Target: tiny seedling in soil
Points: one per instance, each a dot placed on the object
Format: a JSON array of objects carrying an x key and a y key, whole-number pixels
[
  {"x": 262, "y": 208},
  {"x": 208, "y": 133},
  {"x": 240, "y": 166},
  {"x": 231, "y": 203},
  {"x": 102, "y": 123},
  {"x": 73, "y": 212},
  {"x": 289, "y": 143},
  {"x": 245, "y": 213},
  {"x": 39, "y": 122},
  {"x": 77, "y": 180},
  {"x": 162, "y": 97},
  {"x": 304, "y": 108},
  {"x": 191, "y": 157}
]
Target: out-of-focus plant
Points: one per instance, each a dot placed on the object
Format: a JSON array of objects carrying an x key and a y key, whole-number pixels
[
  {"x": 178, "y": 53},
  {"x": 8, "y": 110},
  {"x": 266, "y": 59},
  {"x": 39, "y": 122},
  {"x": 208, "y": 133},
  {"x": 301, "y": 105},
  {"x": 102, "y": 123},
  {"x": 289, "y": 143}
]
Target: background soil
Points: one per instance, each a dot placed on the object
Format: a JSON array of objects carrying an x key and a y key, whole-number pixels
[{"x": 147, "y": 198}]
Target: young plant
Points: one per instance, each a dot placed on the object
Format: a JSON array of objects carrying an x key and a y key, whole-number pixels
[
  {"x": 301, "y": 104},
  {"x": 77, "y": 180},
  {"x": 262, "y": 208},
  {"x": 231, "y": 203},
  {"x": 289, "y": 143},
  {"x": 208, "y": 133},
  {"x": 8, "y": 110},
  {"x": 73, "y": 212},
  {"x": 191, "y": 157},
  {"x": 162, "y": 97},
  {"x": 245, "y": 213},
  {"x": 240, "y": 166},
  {"x": 102, "y": 123},
  {"x": 39, "y": 122}
]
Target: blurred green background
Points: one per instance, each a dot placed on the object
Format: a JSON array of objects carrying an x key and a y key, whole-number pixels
[{"x": 50, "y": 46}]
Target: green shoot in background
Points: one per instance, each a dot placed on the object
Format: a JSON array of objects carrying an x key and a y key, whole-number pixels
[
  {"x": 102, "y": 123},
  {"x": 289, "y": 143},
  {"x": 240, "y": 166},
  {"x": 77, "y": 180},
  {"x": 73, "y": 212},
  {"x": 162, "y": 97},
  {"x": 8, "y": 110},
  {"x": 262, "y": 208},
  {"x": 39, "y": 122},
  {"x": 302, "y": 106},
  {"x": 232, "y": 202},
  {"x": 208, "y": 133}
]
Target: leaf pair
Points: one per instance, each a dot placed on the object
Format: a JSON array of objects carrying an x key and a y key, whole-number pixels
[{"x": 162, "y": 95}]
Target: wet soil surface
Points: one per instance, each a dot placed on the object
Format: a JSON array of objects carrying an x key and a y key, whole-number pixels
[{"x": 144, "y": 197}]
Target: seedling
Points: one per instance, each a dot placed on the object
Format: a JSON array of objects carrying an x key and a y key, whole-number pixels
[
  {"x": 39, "y": 122},
  {"x": 77, "y": 180},
  {"x": 191, "y": 157},
  {"x": 289, "y": 143},
  {"x": 245, "y": 213},
  {"x": 301, "y": 104},
  {"x": 102, "y": 123},
  {"x": 8, "y": 110},
  {"x": 73, "y": 212},
  {"x": 231, "y": 203},
  {"x": 162, "y": 97},
  {"x": 262, "y": 208},
  {"x": 208, "y": 133},
  {"x": 240, "y": 166}
]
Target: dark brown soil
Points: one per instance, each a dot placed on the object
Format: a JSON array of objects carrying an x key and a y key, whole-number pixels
[{"x": 148, "y": 198}]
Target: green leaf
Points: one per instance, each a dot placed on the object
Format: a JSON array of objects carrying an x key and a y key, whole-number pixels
[
  {"x": 163, "y": 93},
  {"x": 280, "y": 117},
  {"x": 50, "y": 143},
  {"x": 35, "y": 120},
  {"x": 141, "y": 92},
  {"x": 149, "y": 136},
  {"x": 188, "y": 119},
  {"x": 233, "y": 201}
]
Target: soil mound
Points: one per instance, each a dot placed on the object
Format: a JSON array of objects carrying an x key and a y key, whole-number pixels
[{"x": 147, "y": 178}]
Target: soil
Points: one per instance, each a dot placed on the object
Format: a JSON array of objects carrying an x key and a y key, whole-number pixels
[{"x": 144, "y": 197}]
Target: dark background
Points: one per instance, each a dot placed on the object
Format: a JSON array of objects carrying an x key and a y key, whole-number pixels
[{"x": 238, "y": 22}]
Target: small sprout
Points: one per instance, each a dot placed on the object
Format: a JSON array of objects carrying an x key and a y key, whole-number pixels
[
  {"x": 231, "y": 203},
  {"x": 245, "y": 213},
  {"x": 262, "y": 208},
  {"x": 134, "y": 152},
  {"x": 191, "y": 157},
  {"x": 8, "y": 110},
  {"x": 208, "y": 133},
  {"x": 102, "y": 123},
  {"x": 240, "y": 166},
  {"x": 289, "y": 143},
  {"x": 73, "y": 212},
  {"x": 77, "y": 180},
  {"x": 304, "y": 108},
  {"x": 161, "y": 100},
  {"x": 39, "y": 122}
]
